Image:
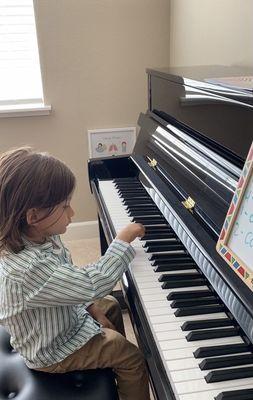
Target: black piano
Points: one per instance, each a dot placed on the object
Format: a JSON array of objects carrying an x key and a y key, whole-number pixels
[{"x": 192, "y": 315}]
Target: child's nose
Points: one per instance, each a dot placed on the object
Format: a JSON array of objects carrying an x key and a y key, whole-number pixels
[{"x": 71, "y": 212}]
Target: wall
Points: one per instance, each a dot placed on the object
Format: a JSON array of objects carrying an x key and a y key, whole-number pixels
[
  {"x": 93, "y": 55},
  {"x": 211, "y": 32}
]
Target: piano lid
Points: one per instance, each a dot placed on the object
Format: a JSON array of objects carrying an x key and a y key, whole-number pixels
[
  {"x": 199, "y": 146},
  {"x": 219, "y": 117}
]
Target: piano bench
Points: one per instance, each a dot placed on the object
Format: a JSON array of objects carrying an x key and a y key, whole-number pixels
[{"x": 20, "y": 383}]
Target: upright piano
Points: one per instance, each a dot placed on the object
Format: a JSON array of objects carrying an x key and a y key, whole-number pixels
[{"x": 192, "y": 315}]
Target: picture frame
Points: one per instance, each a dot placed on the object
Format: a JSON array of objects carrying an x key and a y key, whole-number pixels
[
  {"x": 235, "y": 244},
  {"x": 111, "y": 142}
]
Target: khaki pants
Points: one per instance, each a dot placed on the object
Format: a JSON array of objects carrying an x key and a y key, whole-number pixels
[{"x": 111, "y": 350}]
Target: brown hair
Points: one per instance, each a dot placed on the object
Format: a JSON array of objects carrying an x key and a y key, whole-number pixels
[{"x": 28, "y": 179}]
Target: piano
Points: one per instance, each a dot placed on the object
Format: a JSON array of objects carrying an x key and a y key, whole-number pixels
[{"x": 192, "y": 315}]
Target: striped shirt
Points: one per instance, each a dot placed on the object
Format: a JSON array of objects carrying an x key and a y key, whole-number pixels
[{"x": 43, "y": 298}]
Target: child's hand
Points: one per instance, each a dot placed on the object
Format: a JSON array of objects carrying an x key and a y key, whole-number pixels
[
  {"x": 131, "y": 232},
  {"x": 99, "y": 316}
]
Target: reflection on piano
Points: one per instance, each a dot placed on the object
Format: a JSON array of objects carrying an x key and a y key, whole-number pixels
[{"x": 193, "y": 317}]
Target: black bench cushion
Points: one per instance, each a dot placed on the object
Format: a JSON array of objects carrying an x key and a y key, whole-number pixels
[{"x": 20, "y": 383}]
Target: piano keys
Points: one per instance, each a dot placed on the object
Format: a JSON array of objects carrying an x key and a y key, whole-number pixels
[
  {"x": 192, "y": 317},
  {"x": 176, "y": 345}
]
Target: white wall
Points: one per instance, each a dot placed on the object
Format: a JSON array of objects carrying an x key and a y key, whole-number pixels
[
  {"x": 211, "y": 32},
  {"x": 93, "y": 54}
]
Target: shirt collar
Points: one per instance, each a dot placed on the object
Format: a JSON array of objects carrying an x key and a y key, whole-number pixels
[{"x": 49, "y": 245}]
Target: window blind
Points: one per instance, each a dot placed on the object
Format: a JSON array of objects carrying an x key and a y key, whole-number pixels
[{"x": 20, "y": 75}]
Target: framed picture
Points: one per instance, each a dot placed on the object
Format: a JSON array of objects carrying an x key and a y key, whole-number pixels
[
  {"x": 111, "y": 142},
  {"x": 235, "y": 243}
]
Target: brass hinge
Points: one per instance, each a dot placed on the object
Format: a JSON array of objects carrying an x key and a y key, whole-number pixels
[
  {"x": 152, "y": 163},
  {"x": 189, "y": 204}
]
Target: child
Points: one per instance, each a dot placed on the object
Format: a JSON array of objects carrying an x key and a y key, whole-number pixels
[{"x": 57, "y": 314}]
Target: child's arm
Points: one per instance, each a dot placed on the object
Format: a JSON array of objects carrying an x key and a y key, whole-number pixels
[{"x": 50, "y": 283}]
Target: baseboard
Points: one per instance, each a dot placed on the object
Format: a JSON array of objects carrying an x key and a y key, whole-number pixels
[{"x": 81, "y": 230}]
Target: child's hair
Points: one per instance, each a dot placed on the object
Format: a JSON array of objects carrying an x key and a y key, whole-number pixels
[{"x": 28, "y": 179}]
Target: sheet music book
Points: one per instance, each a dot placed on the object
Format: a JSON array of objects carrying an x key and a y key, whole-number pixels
[{"x": 234, "y": 82}]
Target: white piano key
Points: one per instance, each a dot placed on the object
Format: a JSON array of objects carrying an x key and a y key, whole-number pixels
[
  {"x": 159, "y": 319},
  {"x": 167, "y": 327},
  {"x": 193, "y": 373},
  {"x": 173, "y": 345},
  {"x": 167, "y": 291},
  {"x": 210, "y": 394},
  {"x": 201, "y": 385}
]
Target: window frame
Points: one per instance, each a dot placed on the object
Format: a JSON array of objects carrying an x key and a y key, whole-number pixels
[{"x": 24, "y": 106}]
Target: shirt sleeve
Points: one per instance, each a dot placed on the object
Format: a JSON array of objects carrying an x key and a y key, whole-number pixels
[{"x": 49, "y": 283}]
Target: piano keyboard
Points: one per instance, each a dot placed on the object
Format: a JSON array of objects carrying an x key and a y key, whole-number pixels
[{"x": 200, "y": 344}]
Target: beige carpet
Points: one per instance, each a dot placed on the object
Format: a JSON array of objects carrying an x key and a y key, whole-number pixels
[{"x": 84, "y": 251}]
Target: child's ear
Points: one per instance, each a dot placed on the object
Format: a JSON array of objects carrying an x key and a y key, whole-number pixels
[{"x": 32, "y": 216}]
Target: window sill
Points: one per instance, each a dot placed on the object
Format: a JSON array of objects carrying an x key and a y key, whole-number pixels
[{"x": 25, "y": 110}]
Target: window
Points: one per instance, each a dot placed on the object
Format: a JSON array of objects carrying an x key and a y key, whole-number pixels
[{"x": 20, "y": 76}]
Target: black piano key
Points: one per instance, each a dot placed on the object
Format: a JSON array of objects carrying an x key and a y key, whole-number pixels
[
  {"x": 190, "y": 294},
  {"x": 229, "y": 374},
  {"x": 177, "y": 277},
  {"x": 211, "y": 334},
  {"x": 193, "y": 303},
  {"x": 166, "y": 228},
  {"x": 242, "y": 394},
  {"x": 143, "y": 208},
  {"x": 206, "y": 324},
  {"x": 134, "y": 201},
  {"x": 133, "y": 196},
  {"x": 131, "y": 190},
  {"x": 154, "y": 236},
  {"x": 126, "y": 179},
  {"x": 178, "y": 259},
  {"x": 144, "y": 213},
  {"x": 164, "y": 235},
  {"x": 130, "y": 179},
  {"x": 173, "y": 246},
  {"x": 181, "y": 312},
  {"x": 126, "y": 182},
  {"x": 213, "y": 351},
  {"x": 149, "y": 220},
  {"x": 180, "y": 284},
  {"x": 173, "y": 267},
  {"x": 225, "y": 362},
  {"x": 162, "y": 243},
  {"x": 159, "y": 229},
  {"x": 137, "y": 198},
  {"x": 167, "y": 257},
  {"x": 168, "y": 248},
  {"x": 140, "y": 208},
  {"x": 128, "y": 187},
  {"x": 148, "y": 224}
]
